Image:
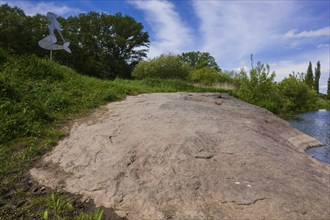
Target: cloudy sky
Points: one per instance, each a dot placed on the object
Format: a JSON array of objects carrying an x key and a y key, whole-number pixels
[{"x": 286, "y": 34}]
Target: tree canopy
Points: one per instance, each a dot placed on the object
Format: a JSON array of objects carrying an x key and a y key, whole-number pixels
[
  {"x": 19, "y": 34},
  {"x": 103, "y": 45},
  {"x": 198, "y": 60}
]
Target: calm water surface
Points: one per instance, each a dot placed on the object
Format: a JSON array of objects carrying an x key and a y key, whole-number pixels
[{"x": 317, "y": 125}]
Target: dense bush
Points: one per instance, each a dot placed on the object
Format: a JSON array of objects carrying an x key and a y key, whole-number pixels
[
  {"x": 208, "y": 76},
  {"x": 290, "y": 96},
  {"x": 3, "y": 56},
  {"x": 198, "y": 60},
  {"x": 298, "y": 95},
  {"x": 258, "y": 87},
  {"x": 162, "y": 67}
]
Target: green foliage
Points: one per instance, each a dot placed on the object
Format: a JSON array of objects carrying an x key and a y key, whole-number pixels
[
  {"x": 297, "y": 94},
  {"x": 208, "y": 76},
  {"x": 12, "y": 28},
  {"x": 162, "y": 67},
  {"x": 258, "y": 87},
  {"x": 19, "y": 34},
  {"x": 309, "y": 79},
  {"x": 3, "y": 56},
  {"x": 290, "y": 96},
  {"x": 317, "y": 77},
  {"x": 97, "y": 215},
  {"x": 175, "y": 85},
  {"x": 198, "y": 60},
  {"x": 103, "y": 45},
  {"x": 322, "y": 102},
  {"x": 22, "y": 111},
  {"x": 57, "y": 206}
]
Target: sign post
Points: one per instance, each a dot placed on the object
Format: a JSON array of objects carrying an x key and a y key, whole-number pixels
[{"x": 49, "y": 42}]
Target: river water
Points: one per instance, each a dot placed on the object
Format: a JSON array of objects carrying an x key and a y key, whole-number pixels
[{"x": 317, "y": 125}]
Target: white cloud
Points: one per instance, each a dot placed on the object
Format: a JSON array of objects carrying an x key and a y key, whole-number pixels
[
  {"x": 171, "y": 35},
  {"x": 323, "y": 45},
  {"x": 233, "y": 30},
  {"x": 32, "y": 8},
  {"x": 314, "y": 33},
  {"x": 299, "y": 63}
]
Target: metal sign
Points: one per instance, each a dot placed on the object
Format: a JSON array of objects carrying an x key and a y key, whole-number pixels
[{"x": 49, "y": 42}]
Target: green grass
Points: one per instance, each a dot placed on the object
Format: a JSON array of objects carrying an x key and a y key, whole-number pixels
[
  {"x": 323, "y": 102},
  {"x": 37, "y": 97}
]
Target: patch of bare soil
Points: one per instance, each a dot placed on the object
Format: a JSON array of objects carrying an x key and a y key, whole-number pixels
[{"x": 189, "y": 156}]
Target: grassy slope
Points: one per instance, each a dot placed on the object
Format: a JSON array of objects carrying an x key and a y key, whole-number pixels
[{"x": 37, "y": 97}]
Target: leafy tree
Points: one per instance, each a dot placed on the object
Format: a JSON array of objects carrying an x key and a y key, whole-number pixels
[
  {"x": 19, "y": 34},
  {"x": 105, "y": 45},
  {"x": 317, "y": 76},
  {"x": 198, "y": 60},
  {"x": 162, "y": 67},
  {"x": 298, "y": 95},
  {"x": 309, "y": 80},
  {"x": 258, "y": 87},
  {"x": 12, "y": 29}
]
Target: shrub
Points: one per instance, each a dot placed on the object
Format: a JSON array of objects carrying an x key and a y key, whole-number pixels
[
  {"x": 162, "y": 67},
  {"x": 3, "y": 56},
  {"x": 258, "y": 87},
  {"x": 205, "y": 75},
  {"x": 299, "y": 96}
]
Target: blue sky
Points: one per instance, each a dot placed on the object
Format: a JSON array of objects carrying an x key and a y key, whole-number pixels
[{"x": 286, "y": 34}]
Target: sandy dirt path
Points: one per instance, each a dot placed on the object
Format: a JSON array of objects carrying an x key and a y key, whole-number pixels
[{"x": 189, "y": 156}]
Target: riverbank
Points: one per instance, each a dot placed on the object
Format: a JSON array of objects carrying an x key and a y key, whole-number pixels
[
  {"x": 151, "y": 155},
  {"x": 317, "y": 125}
]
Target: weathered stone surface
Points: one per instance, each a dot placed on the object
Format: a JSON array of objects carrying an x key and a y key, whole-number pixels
[{"x": 190, "y": 156}]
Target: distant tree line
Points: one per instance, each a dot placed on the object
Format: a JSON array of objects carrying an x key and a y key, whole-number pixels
[
  {"x": 195, "y": 67},
  {"x": 103, "y": 45},
  {"x": 295, "y": 93}
]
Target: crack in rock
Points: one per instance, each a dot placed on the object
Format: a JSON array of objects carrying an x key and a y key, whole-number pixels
[
  {"x": 206, "y": 156},
  {"x": 246, "y": 203}
]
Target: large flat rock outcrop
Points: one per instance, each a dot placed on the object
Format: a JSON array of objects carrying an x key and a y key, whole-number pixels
[{"x": 190, "y": 156}]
